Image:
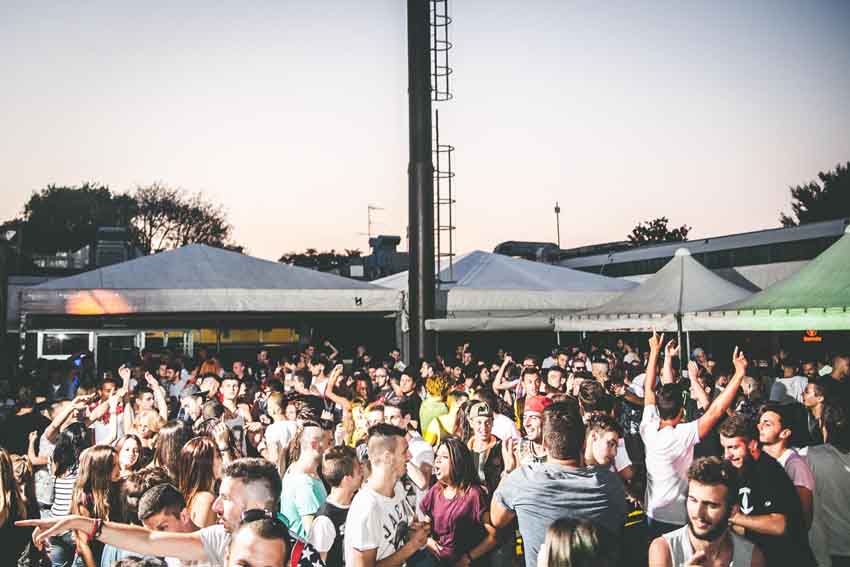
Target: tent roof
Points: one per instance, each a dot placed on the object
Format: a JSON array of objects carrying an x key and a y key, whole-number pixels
[
  {"x": 682, "y": 285},
  {"x": 816, "y": 297},
  {"x": 488, "y": 271},
  {"x": 200, "y": 278},
  {"x": 198, "y": 266},
  {"x": 823, "y": 282}
]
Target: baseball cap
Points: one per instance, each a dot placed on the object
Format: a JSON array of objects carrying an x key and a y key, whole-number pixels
[
  {"x": 480, "y": 409},
  {"x": 191, "y": 390},
  {"x": 536, "y": 405}
]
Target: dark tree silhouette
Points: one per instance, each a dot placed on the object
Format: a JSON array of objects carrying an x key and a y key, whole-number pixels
[
  {"x": 827, "y": 200},
  {"x": 657, "y": 230}
]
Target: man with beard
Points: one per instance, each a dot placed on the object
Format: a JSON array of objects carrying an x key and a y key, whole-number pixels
[
  {"x": 530, "y": 448},
  {"x": 707, "y": 538},
  {"x": 769, "y": 512}
]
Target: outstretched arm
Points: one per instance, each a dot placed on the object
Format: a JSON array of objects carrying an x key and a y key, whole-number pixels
[
  {"x": 721, "y": 403},
  {"x": 186, "y": 547}
]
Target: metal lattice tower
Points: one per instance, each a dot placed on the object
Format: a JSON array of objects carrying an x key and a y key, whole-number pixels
[{"x": 443, "y": 154}]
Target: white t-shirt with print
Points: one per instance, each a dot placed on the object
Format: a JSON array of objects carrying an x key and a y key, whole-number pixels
[
  {"x": 375, "y": 522},
  {"x": 669, "y": 454}
]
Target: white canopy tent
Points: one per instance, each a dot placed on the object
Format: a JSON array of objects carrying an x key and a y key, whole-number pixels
[
  {"x": 200, "y": 278},
  {"x": 682, "y": 285},
  {"x": 817, "y": 297},
  {"x": 491, "y": 292}
]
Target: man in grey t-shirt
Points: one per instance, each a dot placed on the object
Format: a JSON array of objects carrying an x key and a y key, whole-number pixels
[{"x": 540, "y": 493}]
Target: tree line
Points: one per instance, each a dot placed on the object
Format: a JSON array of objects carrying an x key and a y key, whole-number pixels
[{"x": 62, "y": 218}]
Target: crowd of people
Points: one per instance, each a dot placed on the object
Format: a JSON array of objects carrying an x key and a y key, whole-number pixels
[{"x": 635, "y": 454}]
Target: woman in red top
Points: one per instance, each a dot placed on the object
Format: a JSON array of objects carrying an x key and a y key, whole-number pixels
[{"x": 458, "y": 509}]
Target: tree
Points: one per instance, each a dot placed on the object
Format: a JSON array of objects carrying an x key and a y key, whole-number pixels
[
  {"x": 827, "y": 200},
  {"x": 169, "y": 218},
  {"x": 321, "y": 261},
  {"x": 66, "y": 218},
  {"x": 60, "y": 218},
  {"x": 656, "y": 230}
]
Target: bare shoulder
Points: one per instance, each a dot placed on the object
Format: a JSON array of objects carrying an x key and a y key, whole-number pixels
[{"x": 659, "y": 553}]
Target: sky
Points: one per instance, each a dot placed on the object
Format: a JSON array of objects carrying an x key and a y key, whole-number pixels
[{"x": 293, "y": 113}]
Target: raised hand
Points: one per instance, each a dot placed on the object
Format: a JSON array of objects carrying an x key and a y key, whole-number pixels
[
  {"x": 33, "y": 436},
  {"x": 221, "y": 434},
  {"x": 124, "y": 373},
  {"x": 672, "y": 349},
  {"x": 655, "y": 341},
  {"x": 739, "y": 361}
]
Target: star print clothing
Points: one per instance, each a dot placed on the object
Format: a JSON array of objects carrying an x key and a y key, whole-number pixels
[
  {"x": 764, "y": 488},
  {"x": 216, "y": 540},
  {"x": 378, "y": 522}
]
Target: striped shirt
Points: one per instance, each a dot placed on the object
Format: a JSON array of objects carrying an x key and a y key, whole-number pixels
[{"x": 63, "y": 490}]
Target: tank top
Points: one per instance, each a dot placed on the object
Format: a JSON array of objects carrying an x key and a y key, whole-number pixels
[
  {"x": 681, "y": 550},
  {"x": 236, "y": 423},
  {"x": 337, "y": 517}
]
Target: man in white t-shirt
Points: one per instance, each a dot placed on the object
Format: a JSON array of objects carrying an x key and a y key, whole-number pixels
[
  {"x": 790, "y": 386},
  {"x": 670, "y": 443},
  {"x": 775, "y": 425},
  {"x": 381, "y": 522}
]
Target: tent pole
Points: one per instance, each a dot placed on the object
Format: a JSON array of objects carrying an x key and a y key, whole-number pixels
[
  {"x": 679, "y": 340},
  {"x": 558, "y": 335},
  {"x": 688, "y": 343}
]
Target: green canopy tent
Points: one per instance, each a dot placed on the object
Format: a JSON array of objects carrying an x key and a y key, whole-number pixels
[{"x": 816, "y": 297}]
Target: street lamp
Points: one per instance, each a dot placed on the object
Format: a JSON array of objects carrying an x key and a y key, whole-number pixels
[{"x": 558, "y": 222}]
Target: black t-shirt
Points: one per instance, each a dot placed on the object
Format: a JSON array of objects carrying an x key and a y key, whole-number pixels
[{"x": 765, "y": 488}]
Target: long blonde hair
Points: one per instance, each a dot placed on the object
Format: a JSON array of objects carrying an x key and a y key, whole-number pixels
[
  {"x": 12, "y": 506},
  {"x": 94, "y": 489}
]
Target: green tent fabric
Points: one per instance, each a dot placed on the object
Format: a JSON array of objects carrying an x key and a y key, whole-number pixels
[{"x": 816, "y": 297}]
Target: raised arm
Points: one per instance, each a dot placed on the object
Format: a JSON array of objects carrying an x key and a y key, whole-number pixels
[
  {"x": 159, "y": 395},
  {"x": 331, "y": 384},
  {"x": 655, "y": 342},
  {"x": 334, "y": 352},
  {"x": 721, "y": 403},
  {"x": 499, "y": 383},
  {"x": 670, "y": 351},
  {"x": 186, "y": 547}
]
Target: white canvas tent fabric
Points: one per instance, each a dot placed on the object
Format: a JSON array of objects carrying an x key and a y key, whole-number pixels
[
  {"x": 682, "y": 285},
  {"x": 817, "y": 297},
  {"x": 200, "y": 278},
  {"x": 490, "y": 292}
]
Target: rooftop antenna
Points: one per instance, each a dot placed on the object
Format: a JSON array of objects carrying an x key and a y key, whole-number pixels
[{"x": 369, "y": 222}]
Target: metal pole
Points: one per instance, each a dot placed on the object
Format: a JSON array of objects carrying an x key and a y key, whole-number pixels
[
  {"x": 558, "y": 222},
  {"x": 420, "y": 179}
]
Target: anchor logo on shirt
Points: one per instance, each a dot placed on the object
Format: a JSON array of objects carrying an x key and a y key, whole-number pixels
[{"x": 745, "y": 501}]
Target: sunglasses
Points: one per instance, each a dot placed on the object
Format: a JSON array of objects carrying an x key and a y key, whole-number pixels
[{"x": 256, "y": 514}]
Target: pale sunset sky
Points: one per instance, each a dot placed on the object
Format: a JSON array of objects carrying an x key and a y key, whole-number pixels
[{"x": 293, "y": 113}]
